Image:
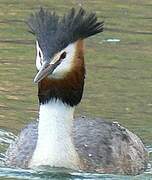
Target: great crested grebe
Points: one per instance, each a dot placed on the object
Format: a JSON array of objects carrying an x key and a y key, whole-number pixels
[{"x": 57, "y": 139}]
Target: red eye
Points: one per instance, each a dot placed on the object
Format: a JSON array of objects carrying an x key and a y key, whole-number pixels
[{"x": 63, "y": 55}]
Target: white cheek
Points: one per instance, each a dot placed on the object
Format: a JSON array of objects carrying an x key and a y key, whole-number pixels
[
  {"x": 38, "y": 62},
  {"x": 38, "y": 59},
  {"x": 66, "y": 63},
  {"x": 63, "y": 68}
]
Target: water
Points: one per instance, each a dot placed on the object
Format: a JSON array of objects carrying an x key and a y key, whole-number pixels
[{"x": 54, "y": 173}]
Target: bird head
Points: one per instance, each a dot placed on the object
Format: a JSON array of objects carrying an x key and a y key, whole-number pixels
[
  {"x": 57, "y": 40},
  {"x": 59, "y": 46}
]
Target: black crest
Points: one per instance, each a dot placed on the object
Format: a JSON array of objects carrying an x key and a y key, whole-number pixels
[{"x": 54, "y": 33}]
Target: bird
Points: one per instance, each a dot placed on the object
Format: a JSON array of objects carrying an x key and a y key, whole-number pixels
[{"x": 57, "y": 138}]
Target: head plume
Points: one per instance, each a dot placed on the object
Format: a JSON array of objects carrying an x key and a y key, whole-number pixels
[{"x": 54, "y": 33}]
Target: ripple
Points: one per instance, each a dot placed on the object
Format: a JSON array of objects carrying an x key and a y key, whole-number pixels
[
  {"x": 58, "y": 173},
  {"x": 6, "y": 137},
  {"x": 54, "y": 173}
]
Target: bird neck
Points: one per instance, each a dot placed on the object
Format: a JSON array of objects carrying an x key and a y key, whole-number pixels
[
  {"x": 55, "y": 145},
  {"x": 58, "y": 98}
]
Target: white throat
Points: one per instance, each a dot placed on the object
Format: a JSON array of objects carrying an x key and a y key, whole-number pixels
[{"x": 54, "y": 145}]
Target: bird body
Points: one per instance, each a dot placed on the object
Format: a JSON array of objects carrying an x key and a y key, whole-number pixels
[
  {"x": 101, "y": 146},
  {"x": 57, "y": 139}
]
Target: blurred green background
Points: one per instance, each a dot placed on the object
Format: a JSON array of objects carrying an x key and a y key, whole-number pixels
[{"x": 119, "y": 74}]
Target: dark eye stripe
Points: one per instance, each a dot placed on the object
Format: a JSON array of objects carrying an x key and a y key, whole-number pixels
[
  {"x": 40, "y": 57},
  {"x": 63, "y": 55},
  {"x": 40, "y": 54}
]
